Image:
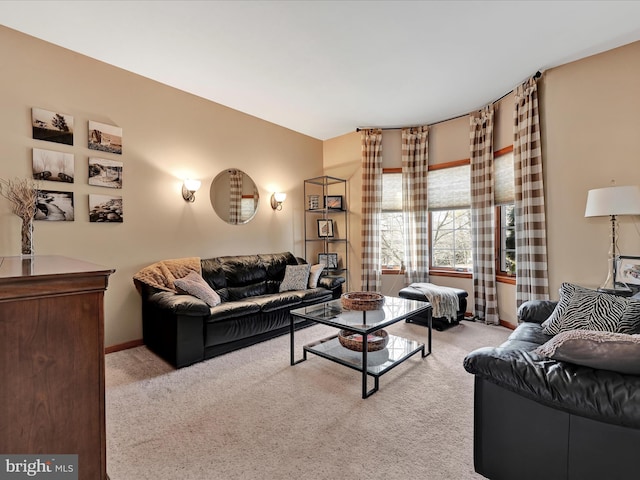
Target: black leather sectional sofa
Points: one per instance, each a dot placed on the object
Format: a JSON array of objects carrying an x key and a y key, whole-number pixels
[
  {"x": 538, "y": 418},
  {"x": 183, "y": 329}
]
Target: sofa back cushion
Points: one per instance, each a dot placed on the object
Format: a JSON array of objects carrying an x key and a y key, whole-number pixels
[
  {"x": 242, "y": 276},
  {"x": 275, "y": 265}
]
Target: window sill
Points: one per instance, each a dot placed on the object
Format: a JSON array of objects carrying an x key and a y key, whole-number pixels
[
  {"x": 392, "y": 271},
  {"x": 506, "y": 278},
  {"x": 450, "y": 273}
]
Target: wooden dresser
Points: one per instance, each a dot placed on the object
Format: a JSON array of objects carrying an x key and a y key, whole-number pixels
[{"x": 52, "y": 359}]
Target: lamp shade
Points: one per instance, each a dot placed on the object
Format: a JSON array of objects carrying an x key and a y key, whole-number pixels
[
  {"x": 607, "y": 201},
  {"x": 192, "y": 185}
]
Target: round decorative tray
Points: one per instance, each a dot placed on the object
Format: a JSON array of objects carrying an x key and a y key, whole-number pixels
[
  {"x": 353, "y": 341},
  {"x": 362, "y": 300}
]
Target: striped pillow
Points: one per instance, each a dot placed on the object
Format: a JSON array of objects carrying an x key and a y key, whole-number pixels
[{"x": 581, "y": 308}]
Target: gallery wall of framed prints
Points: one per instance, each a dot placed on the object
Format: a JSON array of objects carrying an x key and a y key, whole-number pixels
[{"x": 54, "y": 167}]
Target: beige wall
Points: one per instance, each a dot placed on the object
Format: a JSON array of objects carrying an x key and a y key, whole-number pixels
[
  {"x": 590, "y": 136},
  {"x": 167, "y": 135},
  {"x": 590, "y": 127},
  {"x": 591, "y": 131}
]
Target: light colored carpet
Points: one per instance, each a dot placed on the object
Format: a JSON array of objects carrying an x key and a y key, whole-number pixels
[{"x": 250, "y": 415}]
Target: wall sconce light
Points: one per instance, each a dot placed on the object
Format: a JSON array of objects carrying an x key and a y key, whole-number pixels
[
  {"x": 276, "y": 200},
  {"x": 189, "y": 189}
]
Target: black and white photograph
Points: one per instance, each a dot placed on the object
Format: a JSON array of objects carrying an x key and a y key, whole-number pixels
[
  {"x": 52, "y": 126},
  {"x": 105, "y": 138},
  {"x": 329, "y": 260},
  {"x": 53, "y": 166},
  {"x": 325, "y": 228},
  {"x": 105, "y": 173},
  {"x": 54, "y": 206},
  {"x": 105, "y": 209},
  {"x": 628, "y": 270}
]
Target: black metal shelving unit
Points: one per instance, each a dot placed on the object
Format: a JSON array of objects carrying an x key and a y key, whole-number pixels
[{"x": 325, "y": 199}]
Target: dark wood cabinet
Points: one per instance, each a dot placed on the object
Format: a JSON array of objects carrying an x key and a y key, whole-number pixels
[{"x": 52, "y": 359}]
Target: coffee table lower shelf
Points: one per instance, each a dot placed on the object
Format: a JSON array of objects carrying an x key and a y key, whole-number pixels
[{"x": 378, "y": 363}]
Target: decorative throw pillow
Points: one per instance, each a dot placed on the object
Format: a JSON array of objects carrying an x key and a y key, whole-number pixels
[
  {"x": 296, "y": 277},
  {"x": 580, "y": 308},
  {"x": 604, "y": 350},
  {"x": 314, "y": 274},
  {"x": 194, "y": 284}
]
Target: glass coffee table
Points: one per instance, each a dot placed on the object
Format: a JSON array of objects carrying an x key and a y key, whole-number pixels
[{"x": 363, "y": 324}]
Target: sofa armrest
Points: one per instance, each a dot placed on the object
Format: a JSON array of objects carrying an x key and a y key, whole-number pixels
[
  {"x": 179, "y": 304},
  {"x": 597, "y": 394},
  {"x": 330, "y": 282},
  {"x": 536, "y": 311}
]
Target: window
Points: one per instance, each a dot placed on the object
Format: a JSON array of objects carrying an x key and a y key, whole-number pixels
[
  {"x": 505, "y": 213},
  {"x": 450, "y": 217},
  {"x": 392, "y": 221},
  {"x": 507, "y": 239},
  {"x": 451, "y": 239}
]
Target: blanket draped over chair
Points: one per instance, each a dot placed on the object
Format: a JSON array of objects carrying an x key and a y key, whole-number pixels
[
  {"x": 161, "y": 275},
  {"x": 444, "y": 300}
]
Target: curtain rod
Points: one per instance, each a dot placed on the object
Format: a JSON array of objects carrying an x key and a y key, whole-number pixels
[{"x": 537, "y": 75}]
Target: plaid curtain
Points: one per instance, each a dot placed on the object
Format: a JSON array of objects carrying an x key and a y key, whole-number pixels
[
  {"x": 415, "y": 163},
  {"x": 482, "y": 216},
  {"x": 235, "y": 196},
  {"x": 531, "y": 236},
  {"x": 371, "y": 208}
]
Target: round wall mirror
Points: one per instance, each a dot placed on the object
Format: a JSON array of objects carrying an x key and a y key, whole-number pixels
[{"x": 234, "y": 196}]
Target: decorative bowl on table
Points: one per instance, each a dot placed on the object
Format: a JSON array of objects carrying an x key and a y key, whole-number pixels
[
  {"x": 353, "y": 341},
  {"x": 362, "y": 301}
]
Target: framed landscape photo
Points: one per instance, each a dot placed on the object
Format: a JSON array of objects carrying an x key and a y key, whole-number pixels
[
  {"x": 52, "y": 126},
  {"x": 105, "y": 173},
  {"x": 105, "y": 209},
  {"x": 105, "y": 138},
  {"x": 53, "y": 166},
  {"x": 628, "y": 270},
  {"x": 329, "y": 260},
  {"x": 333, "y": 202},
  {"x": 55, "y": 206},
  {"x": 325, "y": 228}
]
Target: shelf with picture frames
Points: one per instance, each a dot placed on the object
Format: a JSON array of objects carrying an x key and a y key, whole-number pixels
[{"x": 326, "y": 225}]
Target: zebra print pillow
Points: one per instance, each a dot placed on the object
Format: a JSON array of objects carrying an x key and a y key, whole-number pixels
[{"x": 580, "y": 308}]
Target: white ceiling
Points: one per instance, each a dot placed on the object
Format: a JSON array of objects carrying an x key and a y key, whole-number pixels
[{"x": 323, "y": 68}]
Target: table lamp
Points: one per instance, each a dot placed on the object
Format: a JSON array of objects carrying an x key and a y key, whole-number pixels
[{"x": 611, "y": 202}]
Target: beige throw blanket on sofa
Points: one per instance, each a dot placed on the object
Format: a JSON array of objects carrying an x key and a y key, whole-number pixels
[
  {"x": 162, "y": 274},
  {"x": 444, "y": 300}
]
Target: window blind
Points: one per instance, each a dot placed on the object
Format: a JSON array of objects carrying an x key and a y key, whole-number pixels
[
  {"x": 391, "y": 192},
  {"x": 450, "y": 188}
]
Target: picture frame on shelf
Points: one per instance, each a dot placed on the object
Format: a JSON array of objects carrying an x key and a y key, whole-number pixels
[
  {"x": 628, "y": 270},
  {"x": 333, "y": 202},
  {"x": 314, "y": 202},
  {"x": 325, "y": 228},
  {"x": 329, "y": 260}
]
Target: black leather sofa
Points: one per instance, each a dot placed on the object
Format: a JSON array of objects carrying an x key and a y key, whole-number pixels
[
  {"x": 183, "y": 329},
  {"x": 537, "y": 418}
]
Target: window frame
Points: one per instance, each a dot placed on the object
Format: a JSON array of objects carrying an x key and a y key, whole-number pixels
[
  {"x": 385, "y": 269},
  {"x": 446, "y": 271},
  {"x": 501, "y": 275}
]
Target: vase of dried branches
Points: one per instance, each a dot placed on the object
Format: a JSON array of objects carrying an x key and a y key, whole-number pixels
[
  {"x": 27, "y": 236},
  {"x": 23, "y": 195}
]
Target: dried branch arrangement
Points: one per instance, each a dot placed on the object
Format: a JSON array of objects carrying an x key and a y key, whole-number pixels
[{"x": 23, "y": 195}]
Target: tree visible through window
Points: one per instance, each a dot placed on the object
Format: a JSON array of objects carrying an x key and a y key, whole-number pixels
[
  {"x": 451, "y": 239},
  {"x": 507, "y": 239}
]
